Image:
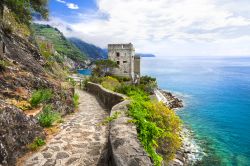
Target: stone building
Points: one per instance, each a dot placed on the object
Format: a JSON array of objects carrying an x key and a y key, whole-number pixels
[{"x": 124, "y": 56}]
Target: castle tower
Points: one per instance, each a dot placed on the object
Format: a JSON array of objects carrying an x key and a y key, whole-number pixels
[{"x": 123, "y": 55}]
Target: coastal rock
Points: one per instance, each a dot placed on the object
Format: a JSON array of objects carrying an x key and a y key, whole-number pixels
[{"x": 173, "y": 101}]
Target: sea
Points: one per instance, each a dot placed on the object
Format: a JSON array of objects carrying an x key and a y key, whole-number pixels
[{"x": 216, "y": 95}]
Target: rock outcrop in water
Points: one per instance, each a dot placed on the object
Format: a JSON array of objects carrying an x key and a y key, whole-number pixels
[{"x": 173, "y": 101}]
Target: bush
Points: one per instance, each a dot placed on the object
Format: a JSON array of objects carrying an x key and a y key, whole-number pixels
[
  {"x": 95, "y": 79},
  {"x": 38, "y": 142},
  {"x": 40, "y": 96},
  {"x": 6, "y": 27},
  {"x": 148, "y": 84},
  {"x": 44, "y": 50},
  {"x": 76, "y": 100},
  {"x": 23, "y": 105},
  {"x": 122, "y": 79},
  {"x": 48, "y": 117},
  {"x": 147, "y": 79},
  {"x": 72, "y": 82},
  {"x": 3, "y": 65},
  {"x": 110, "y": 83},
  {"x": 158, "y": 127}
]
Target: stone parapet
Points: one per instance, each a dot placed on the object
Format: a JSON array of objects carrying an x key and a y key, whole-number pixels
[{"x": 124, "y": 147}]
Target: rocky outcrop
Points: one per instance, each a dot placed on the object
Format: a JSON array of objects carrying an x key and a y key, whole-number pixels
[
  {"x": 17, "y": 130},
  {"x": 124, "y": 147},
  {"x": 24, "y": 72},
  {"x": 173, "y": 101}
]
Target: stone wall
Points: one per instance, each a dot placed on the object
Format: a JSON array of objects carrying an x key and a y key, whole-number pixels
[
  {"x": 124, "y": 146},
  {"x": 107, "y": 97}
]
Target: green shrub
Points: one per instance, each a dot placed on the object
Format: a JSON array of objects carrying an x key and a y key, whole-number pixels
[
  {"x": 111, "y": 118},
  {"x": 3, "y": 65},
  {"x": 95, "y": 79},
  {"x": 148, "y": 84},
  {"x": 76, "y": 100},
  {"x": 44, "y": 50},
  {"x": 122, "y": 79},
  {"x": 40, "y": 96},
  {"x": 48, "y": 117},
  {"x": 146, "y": 79},
  {"x": 38, "y": 142},
  {"x": 72, "y": 81},
  {"x": 158, "y": 126},
  {"x": 110, "y": 83},
  {"x": 7, "y": 28}
]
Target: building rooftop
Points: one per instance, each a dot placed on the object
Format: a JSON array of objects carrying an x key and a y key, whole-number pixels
[{"x": 121, "y": 46}]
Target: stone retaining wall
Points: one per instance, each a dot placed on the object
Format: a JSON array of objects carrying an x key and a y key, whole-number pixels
[{"x": 124, "y": 147}]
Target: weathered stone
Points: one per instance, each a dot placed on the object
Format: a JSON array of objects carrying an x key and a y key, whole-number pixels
[
  {"x": 47, "y": 155},
  {"x": 55, "y": 148},
  {"x": 95, "y": 151},
  {"x": 71, "y": 160},
  {"x": 17, "y": 130},
  {"x": 50, "y": 162},
  {"x": 62, "y": 155}
]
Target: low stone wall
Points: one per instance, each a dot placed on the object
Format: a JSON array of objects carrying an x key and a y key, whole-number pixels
[
  {"x": 124, "y": 147},
  {"x": 107, "y": 97}
]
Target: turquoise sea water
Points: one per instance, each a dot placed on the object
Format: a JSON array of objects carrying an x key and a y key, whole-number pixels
[
  {"x": 216, "y": 91},
  {"x": 84, "y": 71}
]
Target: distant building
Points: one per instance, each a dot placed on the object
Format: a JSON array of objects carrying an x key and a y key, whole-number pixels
[{"x": 124, "y": 56}]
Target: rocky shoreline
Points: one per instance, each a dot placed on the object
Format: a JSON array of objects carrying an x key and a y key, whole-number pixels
[
  {"x": 173, "y": 101},
  {"x": 189, "y": 152}
]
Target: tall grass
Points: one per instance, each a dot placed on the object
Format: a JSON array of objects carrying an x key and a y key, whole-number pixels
[
  {"x": 76, "y": 100},
  {"x": 40, "y": 96},
  {"x": 48, "y": 117},
  {"x": 38, "y": 142}
]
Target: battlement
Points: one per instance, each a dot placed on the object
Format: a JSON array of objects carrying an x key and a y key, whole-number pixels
[{"x": 120, "y": 46}]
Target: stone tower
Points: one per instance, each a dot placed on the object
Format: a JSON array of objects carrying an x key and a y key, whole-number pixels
[{"x": 124, "y": 56}]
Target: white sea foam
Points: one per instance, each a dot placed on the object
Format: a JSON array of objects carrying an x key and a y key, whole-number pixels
[{"x": 190, "y": 147}]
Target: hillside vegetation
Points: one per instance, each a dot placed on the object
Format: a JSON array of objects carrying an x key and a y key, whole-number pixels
[
  {"x": 62, "y": 45},
  {"x": 90, "y": 50}
]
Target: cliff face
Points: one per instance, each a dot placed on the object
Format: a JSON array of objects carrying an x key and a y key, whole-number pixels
[{"x": 22, "y": 71}]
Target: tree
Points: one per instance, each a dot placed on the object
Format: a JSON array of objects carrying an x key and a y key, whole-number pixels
[
  {"x": 24, "y": 8},
  {"x": 103, "y": 67}
]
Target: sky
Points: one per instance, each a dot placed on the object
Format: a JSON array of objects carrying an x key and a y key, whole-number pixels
[{"x": 161, "y": 27}]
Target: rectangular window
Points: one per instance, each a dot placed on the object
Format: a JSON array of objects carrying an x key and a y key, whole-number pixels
[
  {"x": 124, "y": 61},
  {"x": 117, "y": 54},
  {"x": 118, "y": 62}
]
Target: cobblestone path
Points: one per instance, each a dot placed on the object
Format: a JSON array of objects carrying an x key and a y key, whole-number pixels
[{"x": 81, "y": 141}]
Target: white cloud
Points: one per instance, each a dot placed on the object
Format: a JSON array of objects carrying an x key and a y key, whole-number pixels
[
  {"x": 72, "y": 6},
  {"x": 169, "y": 27},
  {"x": 61, "y": 1},
  {"x": 69, "y": 5}
]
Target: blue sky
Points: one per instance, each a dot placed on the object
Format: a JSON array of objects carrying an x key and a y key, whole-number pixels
[
  {"x": 162, "y": 27},
  {"x": 68, "y": 10}
]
